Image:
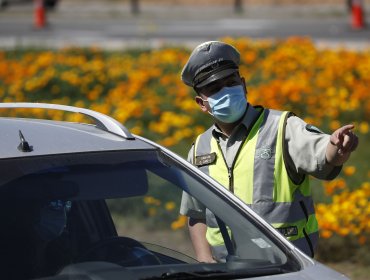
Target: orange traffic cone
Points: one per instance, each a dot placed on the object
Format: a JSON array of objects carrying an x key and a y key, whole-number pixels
[
  {"x": 357, "y": 14},
  {"x": 39, "y": 14}
]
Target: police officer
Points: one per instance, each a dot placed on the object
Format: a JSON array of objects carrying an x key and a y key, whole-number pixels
[{"x": 263, "y": 156}]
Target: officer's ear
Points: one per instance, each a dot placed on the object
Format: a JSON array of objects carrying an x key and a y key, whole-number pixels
[{"x": 202, "y": 103}]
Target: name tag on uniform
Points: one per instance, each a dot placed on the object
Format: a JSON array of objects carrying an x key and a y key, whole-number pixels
[
  {"x": 205, "y": 159},
  {"x": 288, "y": 231}
]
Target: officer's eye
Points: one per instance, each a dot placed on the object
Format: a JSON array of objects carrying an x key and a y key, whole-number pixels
[
  {"x": 232, "y": 83},
  {"x": 215, "y": 89},
  {"x": 210, "y": 90}
]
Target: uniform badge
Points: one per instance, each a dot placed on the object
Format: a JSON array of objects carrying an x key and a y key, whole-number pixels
[
  {"x": 264, "y": 153},
  {"x": 205, "y": 159}
]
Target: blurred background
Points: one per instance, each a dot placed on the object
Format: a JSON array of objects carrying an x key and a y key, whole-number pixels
[
  {"x": 122, "y": 23},
  {"x": 124, "y": 58}
]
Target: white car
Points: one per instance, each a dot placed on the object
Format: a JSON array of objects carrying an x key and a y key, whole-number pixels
[{"x": 72, "y": 192}]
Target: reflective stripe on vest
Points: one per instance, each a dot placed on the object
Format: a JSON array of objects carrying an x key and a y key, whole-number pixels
[{"x": 263, "y": 184}]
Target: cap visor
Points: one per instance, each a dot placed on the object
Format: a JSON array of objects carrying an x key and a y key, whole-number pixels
[{"x": 217, "y": 76}]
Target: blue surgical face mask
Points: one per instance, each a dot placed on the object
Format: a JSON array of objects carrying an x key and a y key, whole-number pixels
[
  {"x": 229, "y": 104},
  {"x": 53, "y": 219}
]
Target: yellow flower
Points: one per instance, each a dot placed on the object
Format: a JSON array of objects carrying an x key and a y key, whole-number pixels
[
  {"x": 364, "y": 127},
  {"x": 170, "y": 206},
  {"x": 137, "y": 130},
  {"x": 334, "y": 125},
  {"x": 326, "y": 234},
  {"x": 152, "y": 201},
  {"x": 179, "y": 223},
  {"x": 349, "y": 170}
]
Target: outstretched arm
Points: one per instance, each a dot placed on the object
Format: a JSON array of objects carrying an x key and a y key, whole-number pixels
[{"x": 342, "y": 143}]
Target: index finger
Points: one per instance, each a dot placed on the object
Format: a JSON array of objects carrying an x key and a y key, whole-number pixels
[{"x": 345, "y": 129}]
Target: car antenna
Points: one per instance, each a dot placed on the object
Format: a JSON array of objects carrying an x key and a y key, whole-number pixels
[{"x": 24, "y": 146}]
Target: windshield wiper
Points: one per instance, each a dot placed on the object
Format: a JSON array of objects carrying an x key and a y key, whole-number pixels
[
  {"x": 219, "y": 274},
  {"x": 187, "y": 275}
]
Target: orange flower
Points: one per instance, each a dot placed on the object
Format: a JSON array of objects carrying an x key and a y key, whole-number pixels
[
  {"x": 179, "y": 223},
  {"x": 349, "y": 170}
]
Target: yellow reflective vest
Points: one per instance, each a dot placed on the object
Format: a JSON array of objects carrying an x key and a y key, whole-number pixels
[{"x": 258, "y": 176}]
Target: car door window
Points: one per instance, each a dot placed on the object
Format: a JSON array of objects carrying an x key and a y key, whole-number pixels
[{"x": 153, "y": 218}]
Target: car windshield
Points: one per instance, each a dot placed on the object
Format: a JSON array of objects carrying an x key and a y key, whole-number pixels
[{"x": 112, "y": 201}]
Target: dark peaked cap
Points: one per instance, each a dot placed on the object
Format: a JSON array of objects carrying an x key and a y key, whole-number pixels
[{"x": 210, "y": 61}]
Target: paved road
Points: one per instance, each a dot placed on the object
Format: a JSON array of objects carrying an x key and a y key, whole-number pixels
[{"x": 115, "y": 27}]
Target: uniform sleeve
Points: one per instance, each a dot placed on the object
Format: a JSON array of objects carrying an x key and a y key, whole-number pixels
[
  {"x": 306, "y": 150},
  {"x": 189, "y": 205}
]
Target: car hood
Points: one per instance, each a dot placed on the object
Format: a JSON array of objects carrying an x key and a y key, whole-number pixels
[{"x": 314, "y": 272}]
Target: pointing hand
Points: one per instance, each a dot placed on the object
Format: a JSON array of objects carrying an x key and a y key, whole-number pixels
[{"x": 344, "y": 141}]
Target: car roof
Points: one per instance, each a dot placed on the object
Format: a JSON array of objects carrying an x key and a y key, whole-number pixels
[{"x": 23, "y": 137}]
